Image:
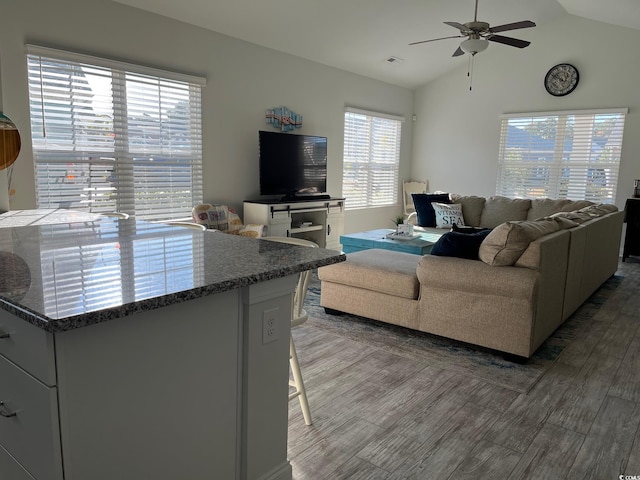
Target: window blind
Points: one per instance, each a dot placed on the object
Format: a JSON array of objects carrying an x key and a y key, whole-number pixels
[
  {"x": 371, "y": 158},
  {"x": 109, "y": 136},
  {"x": 574, "y": 155}
]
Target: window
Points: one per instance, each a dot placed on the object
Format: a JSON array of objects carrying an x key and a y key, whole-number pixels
[
  {"x": 371, "y": 158},
  {"x": 109, "y": 136},
  {"x": 574, "y": 155}
]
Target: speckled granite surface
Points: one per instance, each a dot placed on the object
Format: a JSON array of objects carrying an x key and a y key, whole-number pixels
[{"x": 60, "y": 276}]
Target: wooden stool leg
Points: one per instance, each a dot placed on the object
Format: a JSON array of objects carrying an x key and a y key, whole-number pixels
[{"x": 298, "y": 383}]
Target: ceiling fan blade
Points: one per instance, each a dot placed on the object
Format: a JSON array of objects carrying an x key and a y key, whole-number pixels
[
  {"x": 458, "y": 52},
  {"x": 513, "y": 42},
  {"x": 512, "y": 26},
  {"x": 436, "y": 39},
  {"x": 459, "y": 26}
]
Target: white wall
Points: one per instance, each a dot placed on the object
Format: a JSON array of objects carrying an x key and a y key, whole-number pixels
[
  {"x": 457, "y": 132},
  {"x": 242, "y": 81}
]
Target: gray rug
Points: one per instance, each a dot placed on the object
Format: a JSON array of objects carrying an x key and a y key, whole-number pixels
[{"x": 488, "y": 365}]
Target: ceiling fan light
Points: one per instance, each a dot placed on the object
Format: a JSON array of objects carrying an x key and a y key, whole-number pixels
[{"x": 474, "y": 45}]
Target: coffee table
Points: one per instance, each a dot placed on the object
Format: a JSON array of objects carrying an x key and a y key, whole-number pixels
[{"x": 355, "y": 242}]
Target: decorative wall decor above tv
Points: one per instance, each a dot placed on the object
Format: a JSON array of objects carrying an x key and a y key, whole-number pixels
[{"x": 283, "y": 118}]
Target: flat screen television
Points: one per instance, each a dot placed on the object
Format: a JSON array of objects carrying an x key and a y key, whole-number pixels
[{"x": 293, "y": 166}]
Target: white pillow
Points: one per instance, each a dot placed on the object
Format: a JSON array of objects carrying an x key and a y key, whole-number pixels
[{"x": 447, "y": 214}]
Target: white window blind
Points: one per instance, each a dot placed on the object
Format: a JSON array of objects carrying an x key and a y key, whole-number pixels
[
  {"x": 574, "y": 155},
  {"x": 371, "y": 158},
  {"x": 110, "y": 136}
]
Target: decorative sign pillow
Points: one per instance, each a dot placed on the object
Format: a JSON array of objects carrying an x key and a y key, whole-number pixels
[{"x": 448, "y": 214}]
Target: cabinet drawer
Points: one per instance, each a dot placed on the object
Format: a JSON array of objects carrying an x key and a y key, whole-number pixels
[
  {"x": 29, "y": 422},
  {"x": 10, "y": 469},
  {"x": 28, "y": 346}
]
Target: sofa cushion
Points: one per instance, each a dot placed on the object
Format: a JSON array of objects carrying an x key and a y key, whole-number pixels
[
  {"x": 448, "y": 214},
  {"x": 384, "y": 271},
  {"x": 461, "y": 245},
  {"x": 498, "y": 210},
  {"x": 563, "y": 222},
  {"x": 595, "y": 211},
  {"x": 543, "y": 207},
  {"x": 472, "y": 207},
  {"x": 574, "y": 205},
  {"x": 576, "y": 217},
  {"x": 466, "y": 229},
  {"x": 424, "y": 209},
  {"x": 504, "y": 245}
]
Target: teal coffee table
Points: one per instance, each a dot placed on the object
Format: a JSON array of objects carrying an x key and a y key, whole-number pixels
[{"x": 355, "y": 242}]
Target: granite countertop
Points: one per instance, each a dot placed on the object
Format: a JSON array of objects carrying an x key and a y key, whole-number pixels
[{"x": 63, "y": 272}]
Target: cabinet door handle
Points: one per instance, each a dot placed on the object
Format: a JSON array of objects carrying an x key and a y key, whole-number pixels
[
  {"x": 4, "y": 412},
  {"x": 328, "y": 229}
]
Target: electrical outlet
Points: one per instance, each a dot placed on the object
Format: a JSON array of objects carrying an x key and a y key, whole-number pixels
[{"x": 270, "y": 325}]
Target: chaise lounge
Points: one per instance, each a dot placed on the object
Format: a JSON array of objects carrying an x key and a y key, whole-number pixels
[{"x": 542, "y": 259}]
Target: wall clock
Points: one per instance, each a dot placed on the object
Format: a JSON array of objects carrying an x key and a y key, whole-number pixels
[{"x": 561, "y": 79}]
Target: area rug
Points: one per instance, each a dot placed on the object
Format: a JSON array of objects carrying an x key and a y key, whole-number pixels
[{"x": 477, "y": 362}]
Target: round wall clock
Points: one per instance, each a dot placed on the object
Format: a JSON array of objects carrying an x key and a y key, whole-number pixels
[{"x": 562, "y": 79}]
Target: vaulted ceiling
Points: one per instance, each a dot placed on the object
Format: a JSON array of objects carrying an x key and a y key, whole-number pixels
[{"x": 361, "y": 35}]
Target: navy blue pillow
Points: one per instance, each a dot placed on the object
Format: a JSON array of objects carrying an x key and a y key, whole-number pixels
[
  {"x": 461, "y": 245},
  {"x": 422, "y": 202},
  {"x": 456, "y": 228}
]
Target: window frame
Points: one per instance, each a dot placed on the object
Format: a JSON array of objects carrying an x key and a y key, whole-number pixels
[
  {"x": 569, "y": 154},
  {"x": 384, "y": 167},
  {"x": 152, "y": 160}
]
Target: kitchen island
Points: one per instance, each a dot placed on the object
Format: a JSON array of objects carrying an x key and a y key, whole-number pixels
[{"x": 137, "y": 350}]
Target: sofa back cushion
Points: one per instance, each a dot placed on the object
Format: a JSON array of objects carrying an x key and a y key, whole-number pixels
[
  {"x": 472, "y": 207},
  {"x": 508, "y": 241},
  {"x": 498, "y": 210},
  {"x": 543, "y": 207},
  {"x": 574, "y": 205}
]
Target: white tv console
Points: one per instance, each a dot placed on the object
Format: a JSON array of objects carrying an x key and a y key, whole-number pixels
[{"x": 321, "y": 221}]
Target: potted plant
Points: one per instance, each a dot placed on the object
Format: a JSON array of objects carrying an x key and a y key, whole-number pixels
[
  {"x": 402, "y": 228},
  {"x": 398, "y": 220}
]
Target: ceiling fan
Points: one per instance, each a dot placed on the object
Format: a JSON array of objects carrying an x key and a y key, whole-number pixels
[{"x": 479, "y": 34}]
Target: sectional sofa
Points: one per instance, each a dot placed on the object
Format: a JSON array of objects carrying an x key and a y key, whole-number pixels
[{"x": 542, "y": 259}]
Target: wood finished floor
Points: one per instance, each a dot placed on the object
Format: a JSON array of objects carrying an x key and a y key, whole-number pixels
[{"x": 381, "y": 416}]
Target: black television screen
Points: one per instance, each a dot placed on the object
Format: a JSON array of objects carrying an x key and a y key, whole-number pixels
[{"x": 292, "y": 165}]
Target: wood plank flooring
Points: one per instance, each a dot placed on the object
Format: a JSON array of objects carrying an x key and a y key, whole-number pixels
[{"x": 379, "y": 416}]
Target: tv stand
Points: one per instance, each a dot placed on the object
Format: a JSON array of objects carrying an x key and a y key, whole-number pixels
[
  {"x": 316, "y": 218},
  {"x": 305, "y": 198}
]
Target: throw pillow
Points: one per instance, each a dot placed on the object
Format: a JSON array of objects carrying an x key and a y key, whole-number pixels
[
  {"x": 508, "y": 241},
  {"x": 448, "y": 214},
  {"x": 461, "y": 245},
  {"x": 424, "y": 210},
  {"x": 460, "y": 229}
]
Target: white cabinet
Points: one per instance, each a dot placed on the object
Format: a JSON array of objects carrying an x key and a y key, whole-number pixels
[
  {"x": 321, "y": 221},
  {"x": 188, "y": 390},
  {"x": 29, "y": 428}
]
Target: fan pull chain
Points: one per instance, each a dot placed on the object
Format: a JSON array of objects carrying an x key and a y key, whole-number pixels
[{"x": 470, "y": 71}]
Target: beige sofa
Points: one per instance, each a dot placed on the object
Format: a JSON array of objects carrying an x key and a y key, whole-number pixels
[{"x": 542, "y": 260}]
